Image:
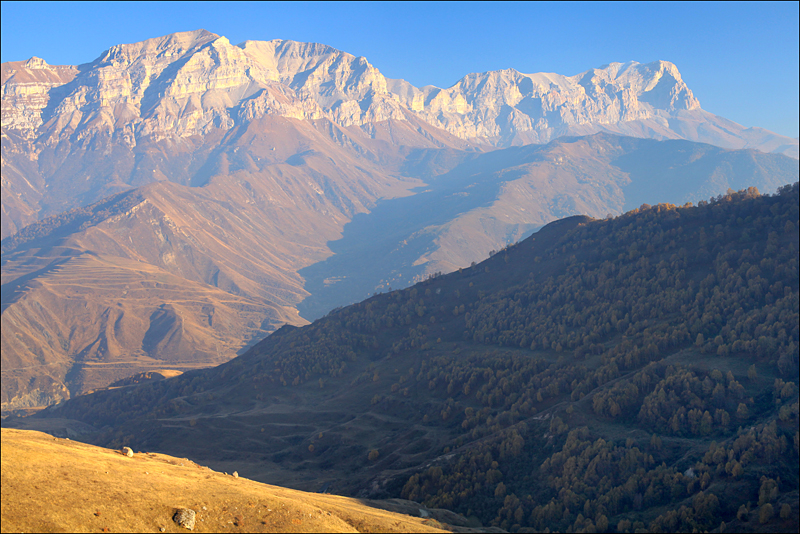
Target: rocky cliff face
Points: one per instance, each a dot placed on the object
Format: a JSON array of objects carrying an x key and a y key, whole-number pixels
[
  {"x": 26, "y": 87},
  {"x": 503, "y": 106},
  {"x": 188, "y": 83}
]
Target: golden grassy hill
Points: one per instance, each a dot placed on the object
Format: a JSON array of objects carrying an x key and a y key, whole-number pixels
[{"x": 57, "y": 485}]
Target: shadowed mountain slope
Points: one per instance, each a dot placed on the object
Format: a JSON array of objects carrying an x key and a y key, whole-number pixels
[
  {"x": 218, "y": 263},
  {"x": 638, "y": 372}
]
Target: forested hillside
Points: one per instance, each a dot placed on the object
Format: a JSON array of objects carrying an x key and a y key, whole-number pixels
[{"x": 638, "y": 372}]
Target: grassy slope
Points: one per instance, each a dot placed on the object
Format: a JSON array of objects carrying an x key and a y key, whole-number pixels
[{"x": 56, "y": 485}]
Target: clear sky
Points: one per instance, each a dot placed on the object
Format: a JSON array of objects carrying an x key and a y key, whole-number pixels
[{"x": 740, "y": 59}]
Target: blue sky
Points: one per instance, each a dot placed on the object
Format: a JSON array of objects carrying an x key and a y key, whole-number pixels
[{"x": 740, "y": 59}]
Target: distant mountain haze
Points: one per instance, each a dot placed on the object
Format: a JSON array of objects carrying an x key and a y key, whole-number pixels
[{"x": 178, "y": 199}]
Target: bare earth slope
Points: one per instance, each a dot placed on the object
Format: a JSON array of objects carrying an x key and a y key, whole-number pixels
[{"x": 57, "y": 485}]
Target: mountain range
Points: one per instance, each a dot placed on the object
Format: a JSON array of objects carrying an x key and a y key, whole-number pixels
[
  {"x": 194, "y": 83},
  {"x": 175, "y": 200}
]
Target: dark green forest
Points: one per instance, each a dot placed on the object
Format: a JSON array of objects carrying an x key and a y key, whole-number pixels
[{"x": 637, "y": 373}]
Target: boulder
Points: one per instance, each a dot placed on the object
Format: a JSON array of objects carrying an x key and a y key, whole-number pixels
[{"x": 184, "y": 517}]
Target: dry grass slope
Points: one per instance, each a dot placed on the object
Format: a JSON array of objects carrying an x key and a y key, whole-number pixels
[{"x": 57, "y": 485}]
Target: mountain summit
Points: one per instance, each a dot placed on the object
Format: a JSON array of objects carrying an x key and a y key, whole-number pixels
[{"x": 509, "y": 107}]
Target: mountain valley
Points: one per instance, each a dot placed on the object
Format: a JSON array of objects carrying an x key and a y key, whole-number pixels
[{"x": 189, "y": 276}]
